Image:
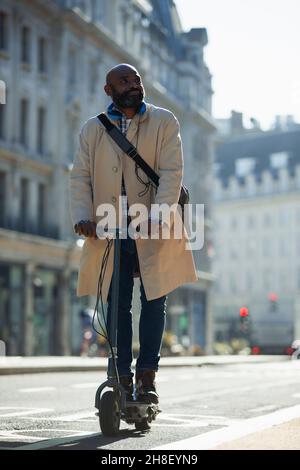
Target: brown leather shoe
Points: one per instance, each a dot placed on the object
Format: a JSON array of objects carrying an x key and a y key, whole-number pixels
[
  {"x": 127, "y": 384},
  {"x": 146, "y": 387}
]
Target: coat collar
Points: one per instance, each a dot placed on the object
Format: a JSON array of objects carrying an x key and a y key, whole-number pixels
[{"x": 114, "y": 115}]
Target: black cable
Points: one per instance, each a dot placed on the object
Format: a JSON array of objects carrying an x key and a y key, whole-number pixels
[
  {"x": 149, "y": 183},
  {"x": 100, "y": 297},
  {"x": 99, "y": 292}
]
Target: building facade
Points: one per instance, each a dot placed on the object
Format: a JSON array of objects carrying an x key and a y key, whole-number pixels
[
  {"x": 54, "y": 56},
  {"x": 257, "y": 233}
]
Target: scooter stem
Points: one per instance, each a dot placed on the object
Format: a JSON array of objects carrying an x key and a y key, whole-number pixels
[{"x": 113, "y": 324}]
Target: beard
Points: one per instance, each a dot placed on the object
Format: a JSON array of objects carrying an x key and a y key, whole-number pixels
[{"x": 125, "y": 100}]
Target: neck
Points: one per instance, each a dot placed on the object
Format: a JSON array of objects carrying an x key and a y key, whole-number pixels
[{"x": 129, "y": 112}]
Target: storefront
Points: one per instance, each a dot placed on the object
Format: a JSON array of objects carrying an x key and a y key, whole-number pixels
[
  {"x": 46, "y": 308},
  {"x": 39, "y": 311},
  {"x": 11, "y": 308}
]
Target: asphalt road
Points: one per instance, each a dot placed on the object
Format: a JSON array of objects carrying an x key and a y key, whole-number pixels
[{"x": 56, "y": 410}]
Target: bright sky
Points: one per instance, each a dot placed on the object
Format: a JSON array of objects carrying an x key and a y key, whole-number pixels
[{"x": 253, "y": 54}]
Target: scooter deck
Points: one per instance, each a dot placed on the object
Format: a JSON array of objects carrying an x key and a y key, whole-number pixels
[{"x": 137, "y": 411}]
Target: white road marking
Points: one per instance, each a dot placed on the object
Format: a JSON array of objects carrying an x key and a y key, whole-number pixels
[
  {"x": 296, "y": 395},
  {"x": 18, "y": 434},
  {"x": 261, "y": 409},
  {"x": 188, "y": 377},
  {"x": 37, "y": 389},
  {"x": 212, "y": 439},
  {"x": 59, "y": 441},
  {"x": 162, "y": 378},
  {"x": 12, "y": 435},
  {"x": 22, "y": 411},
  {"x": 86, "y": 385},
  {"x": 79, "y": 416},
  {"x": 193, "y": 421}
]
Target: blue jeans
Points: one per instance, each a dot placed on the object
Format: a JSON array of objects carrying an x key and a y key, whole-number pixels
[{"x": 152, "y": 319}]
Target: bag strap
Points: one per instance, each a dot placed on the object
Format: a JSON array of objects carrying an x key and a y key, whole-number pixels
[{"x": 128, "y": 148}]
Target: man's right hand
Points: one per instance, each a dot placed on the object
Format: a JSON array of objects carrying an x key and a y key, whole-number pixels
[{"x": 86, "y": 228}]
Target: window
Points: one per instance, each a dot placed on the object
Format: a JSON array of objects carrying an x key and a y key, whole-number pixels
[
  {"x": 93, "y": 78},
  {"x": 24, "y": 107},
  {"x": 244, "y": 166},
  {"x": 284, "y": 247},
  {"x": 24, "y": 194},
  {"x": 267, "y": 279},
  {"x": 2, "y": 118},
  {"x": 3, "y": 31},
  {"x": 284, "y": 218},
  {"x": 42, "y": 55},
  {"x": 298, "y": 244},
  {"x": 233, "y": 253},
  {"x": 267, "y": 220},
  {"x": 97, "y": 10},
  {"x": 250, "y": 221},
  {"x": 41, "y": 130},
  {"x": 267, "y": 247},
  {"x": 234, "y": 223},
  {"x": 249, "y": 281},
  {"x": 232, "y": 284},
  {"x": 42, "y": 208},
  {"x": 2, "y": 197},
  {"x": 279, "y": 160},
  {"x": 71, "y": 138},
  {"x": 250, "y": 247},
  {"x": 25, "y": 45},
  {"x": 72, "y": 67}
]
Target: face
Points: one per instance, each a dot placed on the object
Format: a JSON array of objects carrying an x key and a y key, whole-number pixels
[{"x": 126, "y": 88}]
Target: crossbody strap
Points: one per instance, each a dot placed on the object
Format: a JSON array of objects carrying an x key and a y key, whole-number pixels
[{"x": 128, "y": 148}]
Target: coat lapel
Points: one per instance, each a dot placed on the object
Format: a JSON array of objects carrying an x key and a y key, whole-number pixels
[{"x": 132, "y": 131}]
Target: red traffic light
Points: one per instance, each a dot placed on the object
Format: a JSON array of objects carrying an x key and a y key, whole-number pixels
[
  {"x": 244, "y": 312},
  {"x": 273, "y": 297}
]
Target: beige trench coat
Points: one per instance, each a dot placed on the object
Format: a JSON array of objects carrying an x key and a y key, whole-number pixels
[{"x": 96, "y": 178}]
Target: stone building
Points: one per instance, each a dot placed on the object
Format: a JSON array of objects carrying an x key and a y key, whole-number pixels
[
  {"x": 257, "y": 236},
  {"x": 54, "y": 56}
]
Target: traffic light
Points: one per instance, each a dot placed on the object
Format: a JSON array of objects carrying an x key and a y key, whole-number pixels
[
  {"x": 244, "y": 312},
  {"x": 244, "y": 320},
  {"x": 273, "y": 302}
]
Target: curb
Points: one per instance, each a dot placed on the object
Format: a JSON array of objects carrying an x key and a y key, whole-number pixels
[{"x": 32, "y": 365}]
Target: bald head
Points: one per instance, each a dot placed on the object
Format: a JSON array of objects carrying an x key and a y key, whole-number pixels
[
  {"x": 124, "y": 86},
  {"x": 118, "y": 70}
]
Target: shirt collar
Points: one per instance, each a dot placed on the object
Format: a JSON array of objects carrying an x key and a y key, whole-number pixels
[{"x": 115, "y": 114}]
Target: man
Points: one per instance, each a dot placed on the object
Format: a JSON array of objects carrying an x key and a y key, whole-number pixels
[{"x": 101, "y": 173}]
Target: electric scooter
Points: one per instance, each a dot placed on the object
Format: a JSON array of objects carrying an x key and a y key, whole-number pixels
[{"x": 112, "y": 405}]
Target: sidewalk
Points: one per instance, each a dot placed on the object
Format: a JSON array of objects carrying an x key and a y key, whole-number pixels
[
  {"x": 284, "y": 436},
  {"x": 29, "y": 365},
  {"x": 278, "y": 430}
]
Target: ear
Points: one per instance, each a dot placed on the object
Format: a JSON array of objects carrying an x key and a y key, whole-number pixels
[{"x": 107, "y": 90}]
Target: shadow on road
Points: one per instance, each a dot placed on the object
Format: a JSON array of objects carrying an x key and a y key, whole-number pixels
[{"x": 88, "y": 442}]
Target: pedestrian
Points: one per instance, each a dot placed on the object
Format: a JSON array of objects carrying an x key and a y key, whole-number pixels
[
  {"x": 101, "y": 174},
  {"x": 89, "y": 342}
]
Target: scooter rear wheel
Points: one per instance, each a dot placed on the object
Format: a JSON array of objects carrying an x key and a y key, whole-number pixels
[{"x": 109, "y": 415}]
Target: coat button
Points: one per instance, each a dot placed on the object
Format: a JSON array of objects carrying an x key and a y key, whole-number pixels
[
  {"x": 113, "y": 199},
  {"x": 115, "y": 169}
]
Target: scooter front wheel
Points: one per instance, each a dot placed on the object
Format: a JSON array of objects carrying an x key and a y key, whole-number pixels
[{"x": 109, "y": 414}]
